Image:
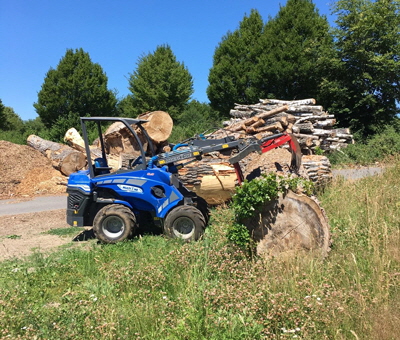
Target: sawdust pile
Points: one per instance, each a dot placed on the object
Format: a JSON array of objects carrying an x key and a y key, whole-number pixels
[{"x": 24, "y": 171}]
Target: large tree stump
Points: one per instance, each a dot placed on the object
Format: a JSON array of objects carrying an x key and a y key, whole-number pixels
[
  {"x": 64, "y": 158},
  {"x": 290, "y": 224}
]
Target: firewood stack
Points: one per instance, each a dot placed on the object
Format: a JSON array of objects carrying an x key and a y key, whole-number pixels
[{"x": 309, "y": 123}]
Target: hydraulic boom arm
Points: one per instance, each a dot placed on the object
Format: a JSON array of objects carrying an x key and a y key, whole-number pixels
[{"x": 195, "y": 149}]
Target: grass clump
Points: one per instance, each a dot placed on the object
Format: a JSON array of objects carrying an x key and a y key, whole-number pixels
[
  {"x": 71, "y": 231},
  {"x": 155, "y": 288}
]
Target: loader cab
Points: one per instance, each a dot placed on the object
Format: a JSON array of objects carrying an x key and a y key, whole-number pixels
[{"x": 98, "y": 164}]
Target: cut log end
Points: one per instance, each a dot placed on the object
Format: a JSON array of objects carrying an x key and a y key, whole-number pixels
[{"x": 290, "y": 224}]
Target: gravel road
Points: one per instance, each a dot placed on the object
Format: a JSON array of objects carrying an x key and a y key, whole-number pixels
[
  {"x": 29, "y": 205},
  {"x": 357, "y": 173}
]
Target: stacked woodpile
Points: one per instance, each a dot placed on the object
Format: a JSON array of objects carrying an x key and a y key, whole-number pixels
[
  {"x": 309, "y": 123},
  {"x": 318, "y": 169}
]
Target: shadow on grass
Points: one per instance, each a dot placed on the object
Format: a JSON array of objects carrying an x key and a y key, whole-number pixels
[{"x": 87, "y": 234}]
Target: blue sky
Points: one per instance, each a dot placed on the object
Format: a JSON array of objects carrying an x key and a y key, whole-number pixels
[{"x": 35, "y": 34}]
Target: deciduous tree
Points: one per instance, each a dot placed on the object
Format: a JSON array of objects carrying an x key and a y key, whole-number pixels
[{"x": 363, "y": 83}]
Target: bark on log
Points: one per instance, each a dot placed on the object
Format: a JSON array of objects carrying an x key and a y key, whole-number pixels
[
  {"x": 290, "y": 224},
  {"x": 305, "y": 127},
  {"x": 325, "y": 123},
  {"x": 64, "y": 158},
  {"x": 273, "y": 127},
  {"x": 238, "y": 126},
  {"x": 318, "y": 169},
  {"x": 118, "y": 139},
  {"x": 305, "y": 109},
  {"x": 310, "y": 101}
]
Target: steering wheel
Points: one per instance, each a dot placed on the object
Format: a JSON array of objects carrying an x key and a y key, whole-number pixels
[{"x": 137, "y": 161}]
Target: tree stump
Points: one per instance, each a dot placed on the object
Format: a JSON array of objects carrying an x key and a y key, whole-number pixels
[{"x": 289, "y": 224}]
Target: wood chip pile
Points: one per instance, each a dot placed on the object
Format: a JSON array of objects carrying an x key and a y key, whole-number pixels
[{"x": 310, "y": 124}]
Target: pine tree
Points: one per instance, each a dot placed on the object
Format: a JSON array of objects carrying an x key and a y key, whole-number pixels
[
  {"x": 160, "y": 82},
  {"x": 234, "y": 77},
  {"x": 76, "y": 88}
]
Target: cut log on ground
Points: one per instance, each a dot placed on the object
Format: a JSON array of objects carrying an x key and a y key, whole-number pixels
[
  {"x": 64, "y": 158},
  {"x": 159, "y": 125},
  {"x": 119, "y": 140},
  {"x": 290, "y": 224}
]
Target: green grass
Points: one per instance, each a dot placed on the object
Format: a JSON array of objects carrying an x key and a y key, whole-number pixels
[
  {"x": 154, "y": 288},
  {"x": 72, "y": 231}
]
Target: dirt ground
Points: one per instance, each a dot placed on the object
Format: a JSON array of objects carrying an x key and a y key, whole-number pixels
[
  {"x": 26, "y": 173},
  {"x": 23, "y": 234}
]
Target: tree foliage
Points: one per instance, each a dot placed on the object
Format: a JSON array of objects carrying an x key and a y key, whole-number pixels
[
  {"x": 77, "y": 87},
  {"x": 362, "y": 86},
  {"x": 281, "y": 59},
  {"x": 234, "y": 76},
  {"x": 195, "y": 119},
  {"x": 12, "y": 126},
  {"x": 160, "y": 82},
  {"x": 2, "y": 115},
  {"x": 295, "y": 43}
]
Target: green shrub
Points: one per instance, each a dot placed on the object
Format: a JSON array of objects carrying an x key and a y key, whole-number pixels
[
  {"x": 376, "y": 148},
  {"x": 251, "y": 195}
]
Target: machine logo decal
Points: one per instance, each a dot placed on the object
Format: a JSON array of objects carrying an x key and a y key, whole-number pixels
[{"x": 130, "y": 188}]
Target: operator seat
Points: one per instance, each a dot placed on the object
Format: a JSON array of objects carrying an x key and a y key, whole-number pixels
[{"x": 101, "y": 167}]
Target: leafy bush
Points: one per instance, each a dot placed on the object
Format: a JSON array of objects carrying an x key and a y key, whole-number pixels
[
  {"x": 376, "y": 148},
  {"x": 196, "y": 119},
  {"x": 253, "y": 194}
]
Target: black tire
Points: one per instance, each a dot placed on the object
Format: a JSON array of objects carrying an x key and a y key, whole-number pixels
[
  {"x": 202, "y": 205},
  {"x": 114, "y": 223},
  {"x": 185, "y": 222}
]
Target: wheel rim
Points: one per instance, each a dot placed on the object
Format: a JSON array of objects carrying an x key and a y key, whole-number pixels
[
  {"x": 183, "y": 227},
  {"x": 113, "y": 227}
]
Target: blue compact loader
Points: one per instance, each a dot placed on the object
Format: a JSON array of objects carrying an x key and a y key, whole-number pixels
[{"x": 148, "y": 191}]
